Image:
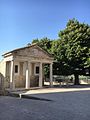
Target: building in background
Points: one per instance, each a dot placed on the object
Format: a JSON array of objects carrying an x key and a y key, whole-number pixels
[{"x": 23, "y": 67}]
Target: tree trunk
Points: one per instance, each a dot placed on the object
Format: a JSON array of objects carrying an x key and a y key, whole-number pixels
[{"x": 76, "y": 82}]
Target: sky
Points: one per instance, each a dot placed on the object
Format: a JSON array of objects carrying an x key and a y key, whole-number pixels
[{"x": 21, "y": 21}]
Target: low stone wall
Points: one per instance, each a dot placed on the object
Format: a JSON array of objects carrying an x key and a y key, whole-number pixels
[
  {"x": 34, "y": 81},
  {"x": 20, "y": 81}
]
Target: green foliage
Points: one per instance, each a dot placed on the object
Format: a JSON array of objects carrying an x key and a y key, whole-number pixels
[
  {"x": 76, "y": 42},
  {"x": 46, "y": 71},
  {"x": 72, "y": 50},
  {"x": 74, "y": 47},
  {"x": 44, "y": 43},
  {"x": 35, "y": 41},
  {"x": 59, "y": 68}
]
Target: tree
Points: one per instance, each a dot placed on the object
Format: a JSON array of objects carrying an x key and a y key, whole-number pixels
[
  {"x": 71, "y": 51},
  {"x": 35, "y": 41},
  {"x": 74, "y": 47},
  {"x": 60, "y": 67},
  {"x": 44, "y": 43}
]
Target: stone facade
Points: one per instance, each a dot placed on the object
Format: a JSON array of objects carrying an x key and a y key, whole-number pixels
[{"x": 23, "y": 67}]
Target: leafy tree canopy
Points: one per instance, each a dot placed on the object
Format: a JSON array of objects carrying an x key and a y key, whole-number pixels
[
  {"x": 71, "y": 50},
  {"x": 74, "y": 46},
  {"x": 44, "y": 43}
]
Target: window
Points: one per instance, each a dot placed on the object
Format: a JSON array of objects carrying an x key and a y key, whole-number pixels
[
  {"x": 37, "y": 70},
  {"x": 16, "y": 68}
]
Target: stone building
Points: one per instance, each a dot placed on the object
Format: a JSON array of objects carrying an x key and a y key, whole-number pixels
[{"x": 23, "y": 67}]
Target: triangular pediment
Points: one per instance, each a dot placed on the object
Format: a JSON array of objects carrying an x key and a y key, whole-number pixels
[{"x": 34, "y": 51}]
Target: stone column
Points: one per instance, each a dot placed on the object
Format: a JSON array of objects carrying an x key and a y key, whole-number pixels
[
  {"x": 28, "y": 75},
  {"x": 40, "y": 75},
  {"x": 12, "y": 82},
  {"x": 51, "y": 75}
]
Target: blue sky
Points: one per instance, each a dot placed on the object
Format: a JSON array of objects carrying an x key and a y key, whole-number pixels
[{"x": 21, "y": 21}]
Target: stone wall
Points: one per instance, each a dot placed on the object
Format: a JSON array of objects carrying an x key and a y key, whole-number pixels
[
  {"x": 19, "y": 81},
  {"x": 2, "y": 67},
  {"x": 34, "y": 81},
  {"x": 1, "y": 82}
]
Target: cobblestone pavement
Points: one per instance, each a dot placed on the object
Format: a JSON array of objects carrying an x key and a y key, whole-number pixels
[{"x": 72, "y": 105}]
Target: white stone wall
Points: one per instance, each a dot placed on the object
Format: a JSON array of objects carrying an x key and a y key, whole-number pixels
[
  {"x": 2, "y": 67},
  {"x": 3, "y": 73}
]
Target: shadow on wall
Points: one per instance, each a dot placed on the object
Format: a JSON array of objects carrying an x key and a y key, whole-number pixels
[{"x": 1, "y": 82}]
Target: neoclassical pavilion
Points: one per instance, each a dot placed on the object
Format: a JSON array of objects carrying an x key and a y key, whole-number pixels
[{"x": 23, "y": 67}]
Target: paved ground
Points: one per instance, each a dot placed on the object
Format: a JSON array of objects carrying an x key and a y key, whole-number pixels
[
  {"x": 45, "y": 92},
  {"x": 71, "y": 105}
]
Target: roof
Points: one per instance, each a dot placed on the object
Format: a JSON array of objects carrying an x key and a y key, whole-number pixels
[{"x": 28, "y": 46}]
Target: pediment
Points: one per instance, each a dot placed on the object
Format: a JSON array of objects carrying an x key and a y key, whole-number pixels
[{"x": 33, "y": 52}]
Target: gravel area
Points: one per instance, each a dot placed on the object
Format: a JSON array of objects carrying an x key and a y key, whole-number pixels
[{"x": 72, "y": 105}]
